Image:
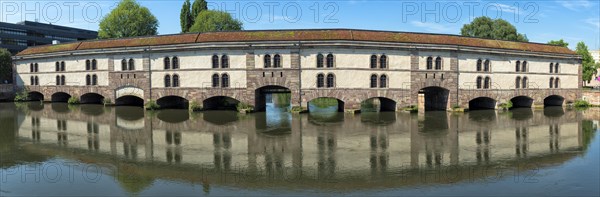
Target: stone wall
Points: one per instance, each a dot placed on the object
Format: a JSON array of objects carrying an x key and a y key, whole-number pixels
[{"x": 592, "y": 96}]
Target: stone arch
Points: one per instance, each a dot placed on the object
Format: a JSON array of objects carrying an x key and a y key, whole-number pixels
[
  {"x": 320, "y": 104},
  {"x": 173, "y": 102},
  {"x": 554, "y": 100},
  {"x": 380, "y": 104},
  {"x": 261, "y": 95},
  {"x": 522, "y": 102},
  {"x": 220, "y": 103},
  {"x": 129, "y": 100},
  {"x": 480, "y": 103},
  {"x": 61, "y": 97},
  {"x": 91, "y": 98},
  {"x": 129, "y": 91},
  {"x": 434, "y": 98},
  {"x": 35, "y": 96}
]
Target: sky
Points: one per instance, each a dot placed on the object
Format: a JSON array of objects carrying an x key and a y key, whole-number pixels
[{"x": 540, "y": 20}]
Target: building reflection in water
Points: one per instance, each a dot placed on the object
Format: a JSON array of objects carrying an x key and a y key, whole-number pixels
[{"x": 322, "y": 145}]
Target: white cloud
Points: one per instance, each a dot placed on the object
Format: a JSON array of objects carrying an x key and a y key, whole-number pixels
[
  {"x": 433, "y": 27},
  {"x": 594, "y": 22},
  {"x": 575, "y": 4},
  {"x": 506, "y": 8}
]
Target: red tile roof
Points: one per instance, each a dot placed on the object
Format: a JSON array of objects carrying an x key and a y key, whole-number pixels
[{"x": 300, "y": 35}]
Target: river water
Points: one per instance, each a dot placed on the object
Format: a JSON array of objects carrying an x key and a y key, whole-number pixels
[{"x": 90, "y": 150}]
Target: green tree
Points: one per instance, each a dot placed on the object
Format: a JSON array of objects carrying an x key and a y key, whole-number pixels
[
  {"x": 210, "y": 20},
  {"x": 127, "y": 20},
  {"x": 185, "y": 17},
  {"x": 197, "y": 8},
  {"x": 5, "y": 66},
  {"x": 560, "y": 42},
  {"x": 485, "y": 27},
  {"x": 590, "y": 67}
]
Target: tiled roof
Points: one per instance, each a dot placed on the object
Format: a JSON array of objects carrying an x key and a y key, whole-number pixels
[{"x": 300, "y": 35}]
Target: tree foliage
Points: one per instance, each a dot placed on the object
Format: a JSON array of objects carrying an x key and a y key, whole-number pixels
[
  {"x": 197, "y": 8},
  {"x": 210, "y": 20},
  {"x": 185, "y": 17},
  {"x": 485, "y": 27},
  {"x": 560, "y": 42},
  {"x": 5, "y": 66},
  {"x": 590, "y": 67},
  {"x": 129, "y": 19}
]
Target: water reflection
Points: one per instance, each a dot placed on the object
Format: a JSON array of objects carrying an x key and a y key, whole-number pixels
[{"x": 268, "y": 148}]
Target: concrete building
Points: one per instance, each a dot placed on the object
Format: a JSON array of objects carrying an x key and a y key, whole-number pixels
[
  {"x": 400, "y": 69},
  {"x": 19, "y": 36}
]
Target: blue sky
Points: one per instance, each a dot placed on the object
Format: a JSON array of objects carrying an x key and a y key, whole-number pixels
[{"x": 540, "y": 20}]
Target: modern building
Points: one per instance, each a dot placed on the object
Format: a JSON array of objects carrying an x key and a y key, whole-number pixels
[
  {"x": 400, "y": 69},
  {"x": 19, "y": 36}
]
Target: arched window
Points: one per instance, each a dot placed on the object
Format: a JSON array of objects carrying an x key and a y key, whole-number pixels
[
  {"x": 36, "y": 67},
  {"x": 37, "y": 80},
  {"x": 57, "y": 80},
  {"x": 374, "y": 81},
  {"x": 518, "y": 83},
  {"x": 438, "y": 63},
  {"x": 479, "y": 79},
  {"x": 32, "y": 82},
  {"x": 479, "y": 65},
  {"x": 88, "y": 65},
  {"x": 167, "y": 63},
  {"x": 215, "y": 61},
  {"x": 373, "y": 61},
  {"x": 167, "y": 81},
  {"x": 551, "y": 67},
  {"x": 320, "y": 81},
  {"x": 267, "y": 61},
  {"x": 524, "y": 67},
  {"x": 429, "y": 63},
  {"x": 330, "y": 60},
  {"x": 62, "y": 80},
  {"x": 175, "y": 80},
  {"x": 557, "y": 83},
  {"x": 225, "y": 81},
  {"x": 383, "y": 81},
  {"x": 88, "y": 80},
  {"x": 556, "y": 67},
  {"x": 525, "y": 84},
  {"x": 131, "y": 65},
  {"x": 57, "y": 66},
  {"x": 551, "y": 81},
  {"x": 31, "y": 67},
  {"x": 224, "y": 61},
  {"x": 62, "y": 66},
  {"x": 94, "y": 80},
  {"x": 123, "y": 65},
  {"x": 277, "y": 61},
  {"x": 487, "y": 83},
  {"x": 383, "y": 61},
  {"x": 330, "y": 80},
  {"x": 175, "y": 62},
  {"x": 518, "y": 66},
  {"x": 320, "y": 60},
  {"x": 94, "y": 64},
  {"x": 486, "y": 66},
  {"x": 215, "y": 80}
]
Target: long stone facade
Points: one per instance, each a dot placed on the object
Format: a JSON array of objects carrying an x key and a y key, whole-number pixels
[{"x": 352, "y": 69}]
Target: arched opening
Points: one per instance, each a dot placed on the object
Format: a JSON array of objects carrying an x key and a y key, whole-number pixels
[
  {"x": 60, "y": 97},
  {"x": 325, "y": 105},
  {"x": 129, "y": 100},
  {"x": 91, "y": 98},
  {"x": 173, "y": 102},
  {"x": 220, "y": 103},
  {"x": 35, "y": 96},
  {"x": 434, "y": 98},
  {"x": 277, "y": 96},
  {"x": 378, "y": 104},
  {"x": 554, "y": 100},
  {"x": 482, "y": 103},
  {"x": 521, "y": 102}
]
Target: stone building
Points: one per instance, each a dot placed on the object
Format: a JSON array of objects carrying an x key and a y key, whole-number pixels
[{"x": 349, "y": 65}]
